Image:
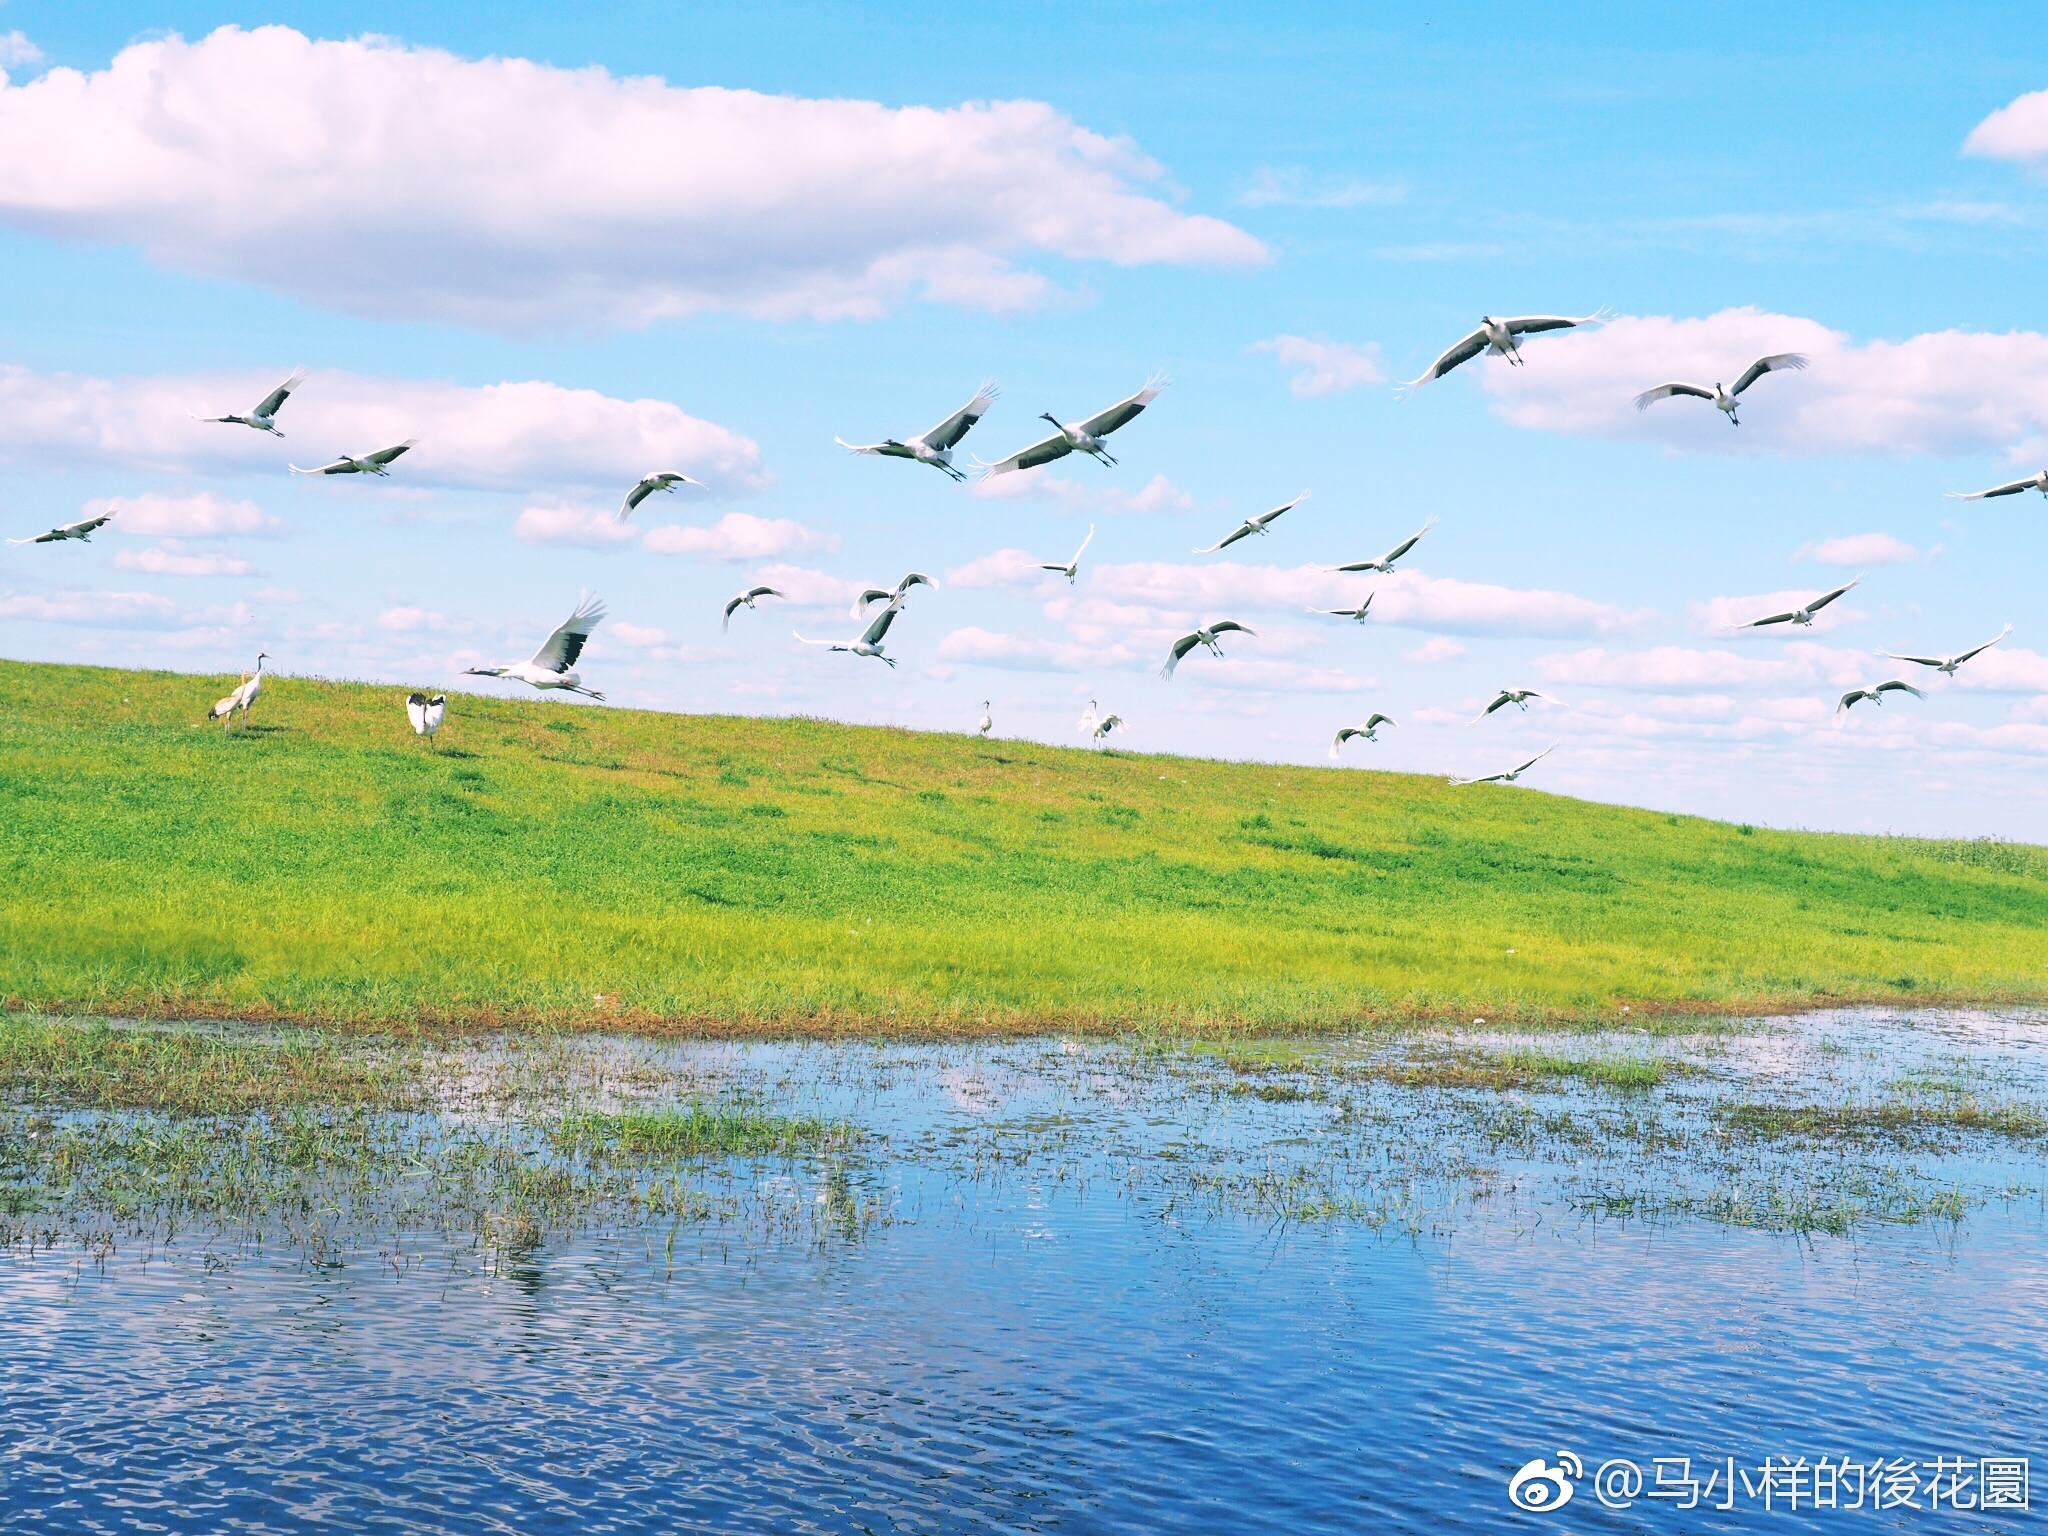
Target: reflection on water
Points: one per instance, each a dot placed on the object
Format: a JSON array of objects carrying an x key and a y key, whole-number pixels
[{"x": 1058, "y": 1325}]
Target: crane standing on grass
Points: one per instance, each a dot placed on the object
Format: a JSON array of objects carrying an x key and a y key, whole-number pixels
[{"x": 244, "y": 696}]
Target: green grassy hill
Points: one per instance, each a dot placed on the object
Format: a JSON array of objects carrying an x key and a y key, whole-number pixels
[{"x": 576, "y": 864}]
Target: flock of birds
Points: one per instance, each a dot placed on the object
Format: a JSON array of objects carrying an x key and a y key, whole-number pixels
[{"x": 553, "y": 665}]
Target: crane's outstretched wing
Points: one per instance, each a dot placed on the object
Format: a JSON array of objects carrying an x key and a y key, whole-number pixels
[
  {"x": 2032, "y": 482},
  {"x": 1850, "y": 699},
  {"x": 874, "y": 632},
  {"x": 870, "y": 595},
  {"x": 914, "y": 579},
  {"x": 947, "y": 434},
  {"x": 1041, "y": 452},
  {"x": 566, "y": 644},
  {"x": 1224, "y": 626},
  {"x": 1666, "y": 391},
  {"x": 1924, "y": 661},
  {"x": 830, "y": 645},
  {"x": 338, "y": 467},
  {"x": 1337, "y": 741},
  {"x": 1775, "y": 618},
  {"x": 1462, "y": 351},
  {"x": 1102, "y": 423},
  {"x": 1180, "y": 648},
  {"x": 416, "y": 712},
  {"x": 1764, "y": 365},
  {"x": 1377, "y": 719},
  {"x": 386, "y": 455},
  {"x": 1893, "y": 685},
  {"x": 1406, "y": 544},
  {"x": 1531, "y": 325},
  {"x": 1828, "y": 597},
  {"x": 1500, "y": 702},
  {"x": 274, "y": 401},
  {"x": 1242, "y": 531},
  {"x": 1522, "y": 768},
  {"x": 1979, "y": 650}
]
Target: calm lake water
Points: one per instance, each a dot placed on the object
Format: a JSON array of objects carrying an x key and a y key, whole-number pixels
[{"x": 1067, "y": 1301}]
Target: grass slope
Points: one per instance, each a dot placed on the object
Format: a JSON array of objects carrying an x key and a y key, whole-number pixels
[{"x": 579, "y": 864}]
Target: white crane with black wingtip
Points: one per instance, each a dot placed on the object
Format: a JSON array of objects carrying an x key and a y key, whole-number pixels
[
  {"x": 647, "y": 485},
  {"x": 2037, "y": 482},
  {"x": 242, "y": 698},
  {"x": 1252, "y": 525},
  {"x": 870, "y": 641},
  {"x": 378, "y": 463},
  {"x": 1104, "y": 726},
  {"x": 1368, "y": 731},
  {"x": 746, "y": 600},
  {"x": 936, "y": 446},
  {"x": 81, "y": 530},
  {"x": 1725, "y": 399},
  {"x": 1855, "y": 696},
  {"x": 1500, "y": 337},
  {"x": 1073, "y": 567},
  {"x": 895, "y": 594},
  {"x": 1385, "y": 564},
  {"x": 426, "y": 714},
  {"x": 264, "y": 417},
  {"x": 1948, "y": 664},
  {"x": 554, "y": 664},
  {"x": 1080, "y": 436},
  {"x": 1516, "y": 696},
  {"x": 1358, "y": 614},
  {"x": 1802, "y": 615},
  {"x": 1205, "y": 636},
  {"x": 1512, "y": 774}
]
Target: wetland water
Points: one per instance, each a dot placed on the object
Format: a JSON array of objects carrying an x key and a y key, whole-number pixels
[{"x": 1062, "y": 1287}]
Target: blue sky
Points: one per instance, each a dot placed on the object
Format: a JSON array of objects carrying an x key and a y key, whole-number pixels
[{"x": 733, "y": 282}]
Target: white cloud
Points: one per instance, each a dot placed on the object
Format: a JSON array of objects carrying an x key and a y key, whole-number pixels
[
  {"x": 1290, "y": 186},
  {"x": 806, "y": 588},
  {"x": 1324, "y": 367},
  {"x": 100, "y": 609},
  {"x": 1158, "y": 494},
  {"x": 593, "y": 527},
  {"x": 1942, "y": 392},
  {"x": 1725, "y": 613},
  {"x": 1408, "y": 598},
  {"x": 16, "y": 49},
  {"x": 409, "y": 183},
  {"x": 407, "y": 620},
  {"x": 1437, "y": 648},
  {"x": 2000, "y": 670},
  {"x": 512, "y": 436},
  {"x": 204, "y": 516},
  {"x": 1027, "y": 653},
  {"x": 736, "y": 536},
  {"x": 2016, "y": 132},
  {"x": 1858, "y": 549},
  {"x": 172, "y": 559},
  {"x": 636, "y": 635},
  {"x": 1669, "y": 666},
  {"x": 1004, "y": 568}
]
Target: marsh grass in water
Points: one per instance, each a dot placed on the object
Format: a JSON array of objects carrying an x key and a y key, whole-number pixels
[{"x": 697, "y": 1130}]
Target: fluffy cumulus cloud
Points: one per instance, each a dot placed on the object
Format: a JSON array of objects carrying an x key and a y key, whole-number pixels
[
  {"x": 172, "y": 558},
  {"x": 1158, "y": 494},
  {"x": 512, "y": 436},
  {"x": 1858, "y": 549},
  {"x": 1027, "y": 653},
  {"x": 1004, "y": 568},
  {"x": 204, "y": 516},
  {"x": 410, "y": 183},
  {"x": 2000, "y": 670},
  {"x": 1943, "y": 392},
  {"x": 1407, "y": 598},
  {"x": 591, "y": 527},
  {"x": 2016, "y": 132},
  {"x": 1324, "y": 367},
  {"x": 104, "y": 610},
  {"x": 1672, "y": 668},
  {"x": 736, "y": 536},
  {"x": 1437, "y": 648}
]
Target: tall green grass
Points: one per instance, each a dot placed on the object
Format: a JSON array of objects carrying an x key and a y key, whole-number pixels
[{"x": 583, "y": 865}]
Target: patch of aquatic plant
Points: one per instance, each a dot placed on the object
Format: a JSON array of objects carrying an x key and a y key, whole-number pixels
[
  {"x": 64, "y": 1064},
  {"x": 1522, "y": 1069},
  {"x": 1911, "y": 1125},
  {"x": 1842, "y": 1203},
  {"x": 696, "y": 1130}
]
